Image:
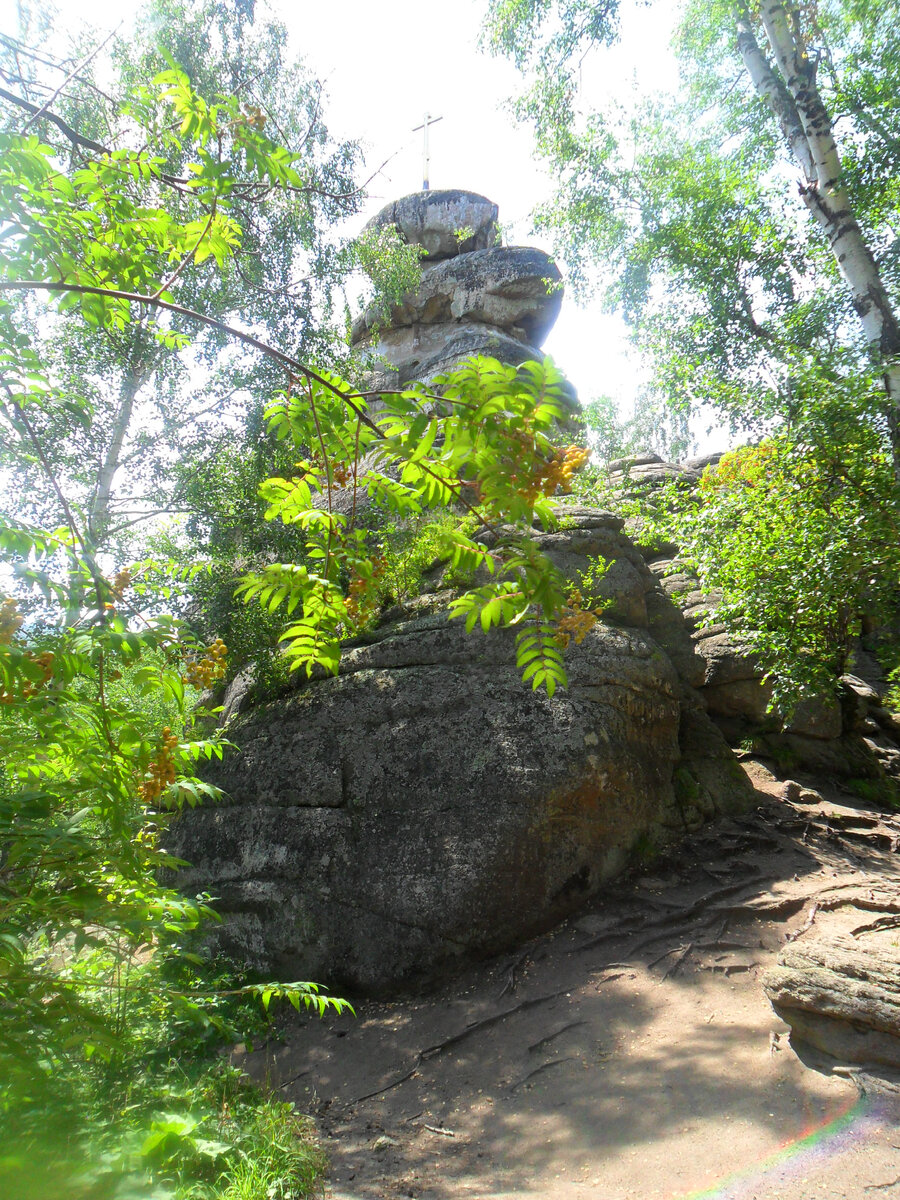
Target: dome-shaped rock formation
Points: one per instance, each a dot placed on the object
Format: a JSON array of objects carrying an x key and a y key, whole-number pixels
[{"x": 444, "y": 223}]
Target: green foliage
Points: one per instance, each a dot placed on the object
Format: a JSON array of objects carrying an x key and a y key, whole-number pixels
[
  {"x": 101, "y": 996},
  {"x": 98, "y": 739},
  {"x": 185, "y": 1125},
  {"x": 391, "y": 263},
  {"x": 544, "y": 36},
  {"x": 883, "y": 793},
  {"x": 408, "y": 549},
  {"x": 800, "y": 533},
  {"x": 609, "y": 437},
  {"x": 95, "y": 976},
  {"x": 481, "y": 443},
  {"x": 285, "y": 1163},
  {"x": 685, "y": 209},
  {"x": 166, "y": 429},
  {"x": 687, "y": 212}
]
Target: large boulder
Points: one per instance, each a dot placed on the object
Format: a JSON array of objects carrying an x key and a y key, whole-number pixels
[
  {"x": 512, "y": 288},
  {"x": 647, "y": 471},
  {"x": 444, "y": 223},
  {"x": 425, "y": 804}
]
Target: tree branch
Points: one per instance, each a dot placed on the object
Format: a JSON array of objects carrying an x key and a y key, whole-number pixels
[
  {"x": 76, "y": 138},
  {"x": 68, "y": 79},
  {"x": 253, "y": 191},
  {"x": 18, "y": 48},
  {"x": 293, "y": 364},
  {"x": 189, "y": 257}
]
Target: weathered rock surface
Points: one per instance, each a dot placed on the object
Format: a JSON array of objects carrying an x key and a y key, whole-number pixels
[
  {"x": 434, "y": 220},
  {"x": 703, "y": 461},
  {"x": 822, "y": 734},
  {"x": 423, "y": 351},
  {"x": 512, "y": 288},
  {"x": 841, "y": 997},
  {"x": 475, "y": 297},
  {"x": 425, "y": 805},
  {"x": 649, "y": 471}
]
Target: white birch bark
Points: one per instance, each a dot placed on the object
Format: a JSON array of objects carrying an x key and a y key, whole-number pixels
[
  {"x": 770, "y": 88},
  {"x": 98, "y": 513},
  {"x": 790, "y": 90}
]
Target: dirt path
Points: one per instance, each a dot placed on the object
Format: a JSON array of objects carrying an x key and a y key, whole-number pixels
[{"x": 631, "y": 1053}]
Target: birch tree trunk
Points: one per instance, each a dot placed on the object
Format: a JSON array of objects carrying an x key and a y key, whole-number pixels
[
  {"x": 136, "y": 375},
  {"x": 787, "y": 83}
]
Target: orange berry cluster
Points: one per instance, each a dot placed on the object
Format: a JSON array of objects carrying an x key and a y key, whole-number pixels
[
  {"x": 162, "y": 768},
  {"x": 341, "y": 474},
  {"x": 10, "y": 621},
  {"x": 121, "y": 582},
  {"x": 203, "y": 672},
  {"x": 577, "y": 620},
  {"x": 361, "y": 592},
  {"x": 251, "y": 118},
  {"x": 254, "y": 116},
  {"x": 556, "y": 473},
  {"x": 44, "y": 661},
  {"x": 564, "y": 467}
]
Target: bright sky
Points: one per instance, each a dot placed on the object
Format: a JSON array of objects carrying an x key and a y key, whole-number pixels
[
  {"x": 385, "y": 65},
  {"x": 405, "y": 59}
]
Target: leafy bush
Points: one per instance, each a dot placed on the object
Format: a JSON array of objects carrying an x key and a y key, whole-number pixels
[
  {"x": 481, "y": 443},
  {"x": 800, "y": 532}
]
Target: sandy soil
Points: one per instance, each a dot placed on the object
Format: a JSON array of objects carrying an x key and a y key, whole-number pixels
[{"x": 631, "y": 1053}]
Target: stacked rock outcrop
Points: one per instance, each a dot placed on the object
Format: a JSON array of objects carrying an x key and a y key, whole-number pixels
[
  {"x": 475, "y": 296},
  {"x": 424, "y": 805}
]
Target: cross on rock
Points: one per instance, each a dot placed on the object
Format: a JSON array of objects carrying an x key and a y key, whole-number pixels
[{"x": 429, "y": 120}]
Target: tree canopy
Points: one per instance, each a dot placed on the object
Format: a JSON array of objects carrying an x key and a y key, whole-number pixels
[
  {"x": 746, "y": 228},
  {"x": 170, "y": 288}
]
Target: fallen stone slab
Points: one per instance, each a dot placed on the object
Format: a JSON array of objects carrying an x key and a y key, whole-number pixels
[{"x": 841, "y": 997}]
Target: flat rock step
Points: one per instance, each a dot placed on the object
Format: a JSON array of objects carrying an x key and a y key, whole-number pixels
[{"x": 841, "y": 997}]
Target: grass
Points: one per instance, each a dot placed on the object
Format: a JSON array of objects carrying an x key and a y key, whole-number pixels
[
  {"x": 883, "y": 793},
  {"x": 156, "y": 1112},
  {"x": 285, "y": 1162}
]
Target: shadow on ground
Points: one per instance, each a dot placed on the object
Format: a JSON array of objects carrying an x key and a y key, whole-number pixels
[{"x": 629, "y": 1053}]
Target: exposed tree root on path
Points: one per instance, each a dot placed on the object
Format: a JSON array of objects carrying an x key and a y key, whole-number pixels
[{"x": 641, "y": 1060}]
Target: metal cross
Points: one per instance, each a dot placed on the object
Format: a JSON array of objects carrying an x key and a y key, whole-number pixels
[{"x": 429, "y": 120}]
